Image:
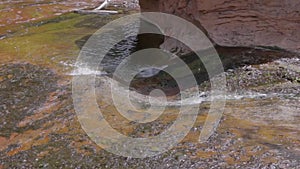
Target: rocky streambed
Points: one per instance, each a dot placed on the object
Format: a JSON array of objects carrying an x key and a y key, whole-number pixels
[{"x": 39, "y": 127}]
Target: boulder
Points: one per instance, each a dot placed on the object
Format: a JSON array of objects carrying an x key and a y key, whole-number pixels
[{"x": 239, "y": 23}]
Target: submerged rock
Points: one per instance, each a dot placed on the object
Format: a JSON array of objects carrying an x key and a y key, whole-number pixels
[
  {"x": 39, "y": 127},
  {"x": 24, "y": 88}
]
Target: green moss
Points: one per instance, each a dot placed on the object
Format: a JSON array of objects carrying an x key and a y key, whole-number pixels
[
  {"x": 47, "y": 42},
  {"x": 52, "y": 41},
  {"x": 2, "y": 6},
  {"x": 53, "y": 20}
]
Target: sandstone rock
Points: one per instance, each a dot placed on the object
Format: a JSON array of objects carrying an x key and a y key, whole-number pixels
[{"x": 272, "y": 23}]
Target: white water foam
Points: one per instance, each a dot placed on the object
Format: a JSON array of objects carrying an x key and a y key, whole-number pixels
[{"x": 86, "y": 71}]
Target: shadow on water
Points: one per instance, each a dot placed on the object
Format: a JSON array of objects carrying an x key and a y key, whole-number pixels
[
  {"x": 145, "y": 82},
  {"x": 39, "y": 127}
]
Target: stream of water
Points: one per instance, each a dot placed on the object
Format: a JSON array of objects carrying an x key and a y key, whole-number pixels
[{"x": 39, "y": 127}]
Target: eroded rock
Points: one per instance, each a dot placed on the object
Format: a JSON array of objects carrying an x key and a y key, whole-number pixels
[{"x": 239, "y": 23}]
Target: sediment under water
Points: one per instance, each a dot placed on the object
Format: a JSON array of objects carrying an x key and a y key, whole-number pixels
[{"x": 39, "y": 127}]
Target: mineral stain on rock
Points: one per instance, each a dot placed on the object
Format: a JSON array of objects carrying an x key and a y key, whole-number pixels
[
  {"x": 39, "y": 127},
  {"x": 24, "y": 87},
  {"x": 253, "y": 131}
]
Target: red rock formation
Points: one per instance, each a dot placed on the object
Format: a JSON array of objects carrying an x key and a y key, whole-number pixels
[{"x": 239, "y": 22}]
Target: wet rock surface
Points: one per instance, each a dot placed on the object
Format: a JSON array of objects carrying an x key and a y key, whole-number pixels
[
  {"x": 19, "y": 12},
  {"x": 256, "y": 131},
  {"x": 24, "y": 88},
  {"x": 39, "y": 127}
]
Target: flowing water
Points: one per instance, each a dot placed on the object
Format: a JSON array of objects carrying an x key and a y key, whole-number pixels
[{"x": 39, "y": 127}]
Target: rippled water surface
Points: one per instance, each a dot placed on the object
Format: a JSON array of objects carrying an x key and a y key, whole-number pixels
[{"x": 39, "y": 127}]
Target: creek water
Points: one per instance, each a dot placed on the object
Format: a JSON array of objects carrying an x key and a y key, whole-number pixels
[{"x": 39, "y": 127}]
